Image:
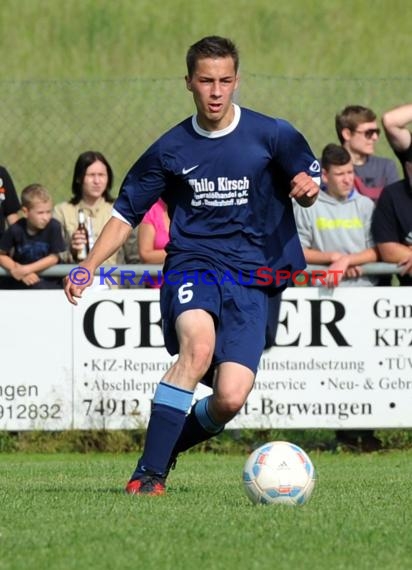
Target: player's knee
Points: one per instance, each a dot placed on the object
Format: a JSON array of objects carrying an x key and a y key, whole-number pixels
[
  {"x": 197, "y": 358},
  {"x": 201, "y": 356},
  {"x": 231, "y": 405}
]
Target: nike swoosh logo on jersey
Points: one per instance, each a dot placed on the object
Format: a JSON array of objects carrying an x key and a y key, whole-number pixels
[{"x": 187, "y": 170}]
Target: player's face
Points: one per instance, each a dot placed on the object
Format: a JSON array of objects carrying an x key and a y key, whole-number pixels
[
  {"x": 339, "y": 180},
  {"x": 362, "y": 140},
  {"x": 213, "y": 82},
  {"x": 38, "y": 215},
  {"x": 95, "y": 181}
]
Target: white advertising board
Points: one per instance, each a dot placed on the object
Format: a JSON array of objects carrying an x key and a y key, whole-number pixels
[
  {"x": 342, "y": 359},
  {"x": 36, "y": 368}
]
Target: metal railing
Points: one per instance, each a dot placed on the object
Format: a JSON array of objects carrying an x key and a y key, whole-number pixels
[{"x": 139, "y": 269}]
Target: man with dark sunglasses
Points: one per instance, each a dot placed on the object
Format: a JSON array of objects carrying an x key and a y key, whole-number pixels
[{"x": 358, "y": 132}]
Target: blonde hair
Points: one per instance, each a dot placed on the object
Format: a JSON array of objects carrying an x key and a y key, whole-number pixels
[{"x": 34, "y": 193}]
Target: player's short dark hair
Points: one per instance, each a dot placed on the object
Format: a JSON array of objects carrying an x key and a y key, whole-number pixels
[
  {"x": 83, "y": 162},
  {"x": 351, "y": 117},
  {"x": 334, "y": 155},
  {"x": 211, "y": 46},
  {"x": 34, "y": 193}
]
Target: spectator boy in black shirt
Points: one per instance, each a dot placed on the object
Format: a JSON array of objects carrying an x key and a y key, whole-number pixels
[{"x": 32, "y": 244}]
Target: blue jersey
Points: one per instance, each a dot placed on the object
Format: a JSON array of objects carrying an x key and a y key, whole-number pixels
[{"x": 226, "y": 191}]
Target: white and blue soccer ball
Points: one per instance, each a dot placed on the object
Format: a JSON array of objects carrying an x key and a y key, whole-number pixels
[{"x": 279, "y": 473}]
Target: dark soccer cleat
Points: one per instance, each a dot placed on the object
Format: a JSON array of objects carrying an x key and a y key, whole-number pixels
[{"x": 147, "y": 484}]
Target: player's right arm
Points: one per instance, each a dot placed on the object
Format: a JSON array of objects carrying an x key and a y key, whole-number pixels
[
  {"x": 114, "y": 234},
  {"x": 142, "y": 187},
  {"x": 395, "y": 123}
]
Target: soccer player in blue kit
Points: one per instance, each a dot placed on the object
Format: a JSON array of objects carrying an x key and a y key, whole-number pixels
[{"x": 227, "y": 175}]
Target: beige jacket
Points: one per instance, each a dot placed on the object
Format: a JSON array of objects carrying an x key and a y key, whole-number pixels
[{"x": 96, "y": 217}]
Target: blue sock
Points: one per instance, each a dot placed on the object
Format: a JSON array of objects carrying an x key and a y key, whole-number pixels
[
  {"x": 204, "y": 418},
  {"x": 170, "y": 406},
  {"x": 198, "y": 427}
]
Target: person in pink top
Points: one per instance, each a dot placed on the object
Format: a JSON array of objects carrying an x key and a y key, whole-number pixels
[{"x": 153, "y": 237}]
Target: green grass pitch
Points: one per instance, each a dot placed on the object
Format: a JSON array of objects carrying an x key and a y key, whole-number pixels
[{"x": 68, "y": 511}]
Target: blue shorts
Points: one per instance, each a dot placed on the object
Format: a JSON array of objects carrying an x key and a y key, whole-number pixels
[{"x": 239, "y": 312}]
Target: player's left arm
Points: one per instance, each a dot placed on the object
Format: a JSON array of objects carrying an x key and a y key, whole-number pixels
[
  {"x": 296, "y": 159},
  {"x": 305, "y": 189}
]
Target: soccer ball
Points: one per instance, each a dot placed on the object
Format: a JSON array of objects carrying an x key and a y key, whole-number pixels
[{"x": 279, "y": 473}]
